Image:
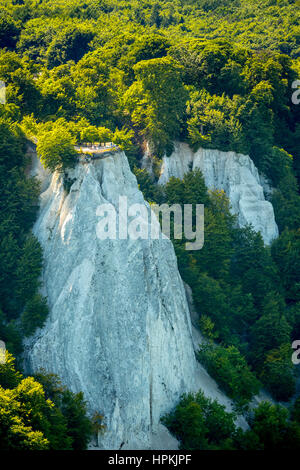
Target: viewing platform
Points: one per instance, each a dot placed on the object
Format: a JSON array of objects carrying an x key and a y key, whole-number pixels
[{"x": 89, "y": 152}]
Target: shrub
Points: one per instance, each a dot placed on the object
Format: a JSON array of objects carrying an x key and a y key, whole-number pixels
[
  {"x": 34, "y": 315},
  {"x": 56, "y": 149},
  {"x": 200, "y": 423},
  {"x": 231, "y": 371}
]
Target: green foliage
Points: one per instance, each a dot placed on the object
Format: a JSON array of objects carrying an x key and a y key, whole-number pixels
[
  {"x": 229, "y": 367},
  {"x": 146, "y": 185},
  {"x": 29, "y": 420},
  {"x": 11, "y": 146},
  {"x": 71, "y": 44},
  {"x": 97, "y": 423},
  {"x": 295, "y": 413},
  {"x": 207, "y": 327},
  {"x": 286, "y": 203},
  {"x": 280, "y": 165},
  {"x": 190, "y": 190},
  {"x": 286, "y": 254},
  {"x": 72, "y": 407},
  {"x": 34, "y": 315},
  {"x": 8, "y": 31},
  {"x": 9, "y": 376},
  {"x": 269, "y": 332},
  {"x": 239, "y": 296},
  {"x": 214, "y": 74},
  {"x": 56, "y": 149},
  {"x": 18, "y": 75},
  {"x": 20, "y": 254},
  {"x": 273, "y": 428},
  {"x": 11, "y": 334},
  {"x": 212, "y": 123},
  {"x": 278, "y": 374},
  {"x": 29, "y": 268},
  {"x": 123, "y": 138},
  {"x": 200, "y": 423},
  {"x": 253, "y": 265},
  {"x": 121, "y": 73},
  {"x": 15, "y": 430},
  {"x": 90, "y": 134},
  {"x": 157, "y": 101},
  {"x": 36, "y": 36}
]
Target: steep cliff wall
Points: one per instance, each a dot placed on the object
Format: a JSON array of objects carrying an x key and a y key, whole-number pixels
[
  {"x": 236, "y": 174},
  {"x": 119, "y": 326}
]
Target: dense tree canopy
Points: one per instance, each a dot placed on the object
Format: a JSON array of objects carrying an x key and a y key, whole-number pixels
[
  {"x": 143, "y": 74},
  {"x": 202, "y": 424},
  {"x": 29, "y": 420}
]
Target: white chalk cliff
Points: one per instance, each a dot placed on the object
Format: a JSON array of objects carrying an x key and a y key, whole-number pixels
[
  {"x": 236, "y": 174},
  {"x": 119, "y": 325}
]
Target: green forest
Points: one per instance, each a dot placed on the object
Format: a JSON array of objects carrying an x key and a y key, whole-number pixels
[{"x": 211, "y": 73}]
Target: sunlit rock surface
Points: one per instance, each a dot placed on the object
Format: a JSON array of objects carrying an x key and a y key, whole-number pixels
[
  {"x": 236, "y": 174},
  {"x": 119, "y": 325}
]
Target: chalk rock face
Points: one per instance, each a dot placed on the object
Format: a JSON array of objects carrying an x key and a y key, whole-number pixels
[
  {"x": 119, "y": 327},
  {"x": 236, "y": 174}
]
